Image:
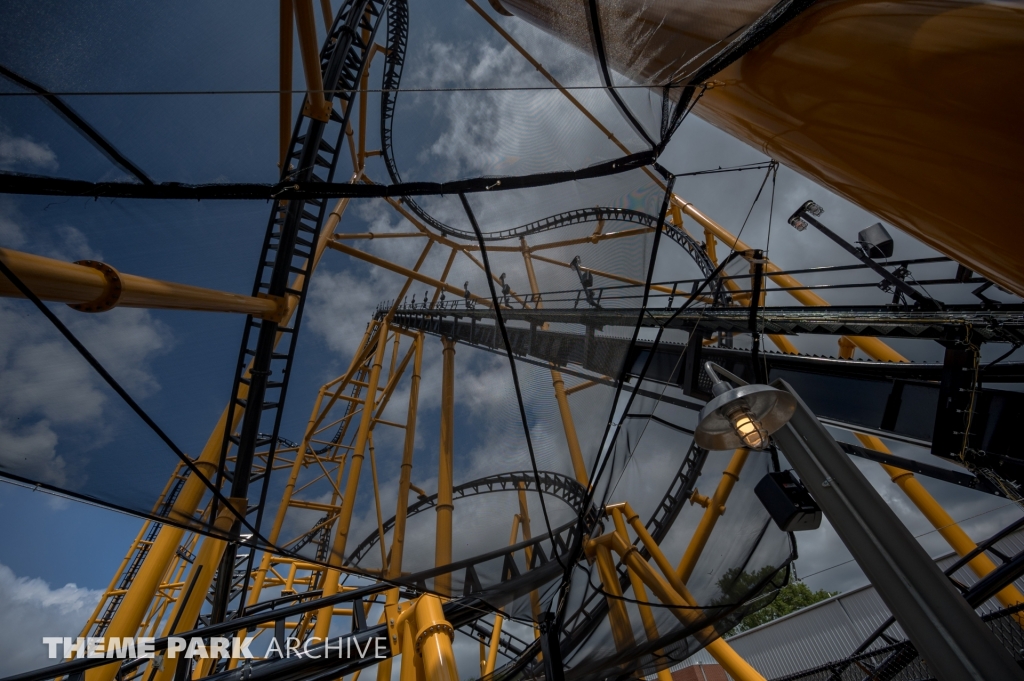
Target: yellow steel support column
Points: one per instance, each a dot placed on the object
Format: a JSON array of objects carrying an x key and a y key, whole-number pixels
[
  {"x": 445, "y": 505},
  {"x": 712, "y": 512},
  {"x": 405, "y": 271},
  {"x": 186, "y": 611},
  {"x": 622, "y": 631},
  {"x": 158, "y": 560},
  {"x": 568, "y": 425},
  {"x": 133, "y": 607},
  {"x": 434, "y": 638},
  {"x": 640, "y": 593},
  {"x": 847, "y": 348},
  {"x": 284, "y": 125},
  {"x": 524, "y": 523},
  {"x": 954, "y": 535},
  {"x": 316, "y": 105},
  {"x": 492, "y": 652},
  {"x": 394, "y": 567},
  {"x": 91, "y": 286},
  {"x": 672, "y": 591},
  {"x": 871, "y": 346},
  {"x": 337, "y": 555},
  {"x": 405, "y": 475},
  {"x": 499, "y": 619},
  {"x": 325, "y": 7}
]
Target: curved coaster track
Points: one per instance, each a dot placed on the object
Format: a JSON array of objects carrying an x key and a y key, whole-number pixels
[{"x": 288, "y": 250}]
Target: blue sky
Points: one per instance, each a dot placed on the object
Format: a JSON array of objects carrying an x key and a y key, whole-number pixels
[{"x": 180, "y": 364}]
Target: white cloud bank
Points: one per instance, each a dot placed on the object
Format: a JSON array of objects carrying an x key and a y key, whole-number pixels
[
  {"x": 33, "y": 609},
  {"x": 21, "y": 153}
]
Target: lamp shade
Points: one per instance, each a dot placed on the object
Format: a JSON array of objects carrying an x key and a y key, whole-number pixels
[{"x": 743, "y": 417}]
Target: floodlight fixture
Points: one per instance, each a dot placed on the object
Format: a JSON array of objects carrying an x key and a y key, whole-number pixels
[
  {"x": 797, "y": 219},
  {"x": 745, "y": 416}
]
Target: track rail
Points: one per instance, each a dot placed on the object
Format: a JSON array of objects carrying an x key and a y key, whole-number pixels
[{"x": 553, "y": 484}]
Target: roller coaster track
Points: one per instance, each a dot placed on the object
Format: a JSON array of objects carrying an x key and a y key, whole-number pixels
[
  {"x": 397, "y": 39},
  {"x": 581, "y": 623},
  {"x": 556, "y": 485},
  {"x": 294, "y": 228}
]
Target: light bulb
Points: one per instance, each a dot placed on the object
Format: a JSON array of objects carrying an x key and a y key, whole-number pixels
[{"x": 750, "y": 431}]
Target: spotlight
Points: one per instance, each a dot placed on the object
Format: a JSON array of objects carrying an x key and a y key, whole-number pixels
[
  {"x": 797, "y": 220},
  {"x": 741, "y": 417}
]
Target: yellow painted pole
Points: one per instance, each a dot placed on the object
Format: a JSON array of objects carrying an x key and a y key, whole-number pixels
[
  {"x": 96, "y": 287},
  {"x": 412, "y": 274},
  {"x": 872, "y": 346},
  {"x": 434, "y": 640},
  {"x": 622, "y": 631},
  {"x": 640, "y": 593},
  {"x": 445, "y": 504},
  {"x": 672, "y": 591},
  {"x": 325, "y": 6},
  {"x": 524, "y": 523},
  {"x": 564, "y": 411},
  {"x": 316, "y": 105},
  {"x": 492, "y": 652},
  {"x": 337, "y": 556},
  {"x": 412, "y": 663},
  {"x": 954, "y": 535},
  {"x": 735, "y": 666},
  {"x": 712, "y": 512},
  {"x": 394, "y": 567},
  {"x": 847, "y": 348},
  {"x": 405, "y": 475},
  {"x": 133, "y": 607},
  {"x": 186, "y": 610}
]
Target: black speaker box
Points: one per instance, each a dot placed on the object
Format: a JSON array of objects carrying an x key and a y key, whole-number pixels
[{"x": 788, "y": 502}]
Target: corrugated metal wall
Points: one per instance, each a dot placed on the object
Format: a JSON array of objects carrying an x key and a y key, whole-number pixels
[{"x": 832, "y": 629}]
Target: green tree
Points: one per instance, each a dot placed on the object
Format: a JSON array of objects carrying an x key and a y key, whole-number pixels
[
  {"x": 740, "y": 586},
  {"x": 792, "y": 597}
]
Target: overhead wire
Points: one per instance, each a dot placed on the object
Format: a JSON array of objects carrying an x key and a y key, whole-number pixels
[{"x": 164, "y": 93}]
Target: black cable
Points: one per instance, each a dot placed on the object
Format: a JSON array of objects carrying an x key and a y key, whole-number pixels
[
  {"x": 95, "y": 364},
  {"x": 751, "y": 210},
  {"x": 335, "y": 91},
  {"x": 79, "y": 123},
  {"x": 1015, "y": 348},
  {"x": 599, "y": 464},
  {"x": 512, "y": 363},
  {"x": 594, "y": 19},
  {"x": 20, "y": 183}
]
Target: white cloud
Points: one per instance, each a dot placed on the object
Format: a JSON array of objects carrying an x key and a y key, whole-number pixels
[
  {"x": 11, "y": 235},
  {"x": 47, "y": 386},
  {"x": 21, "y": 153},
  {"x": 33, "y": 609},
  {"x": 32, "y": 452}
]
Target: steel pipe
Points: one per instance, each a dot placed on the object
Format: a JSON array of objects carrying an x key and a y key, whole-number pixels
[{"x": 92, "y": 286}]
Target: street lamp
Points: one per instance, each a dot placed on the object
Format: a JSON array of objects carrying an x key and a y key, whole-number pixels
[
  {"x": 745, "y": 416},
  {"x": 944, "y": 628}
]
